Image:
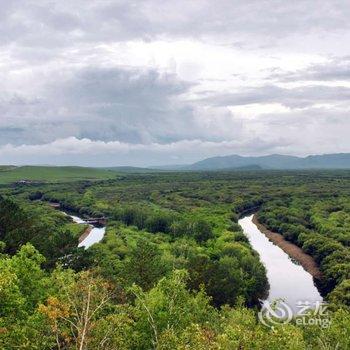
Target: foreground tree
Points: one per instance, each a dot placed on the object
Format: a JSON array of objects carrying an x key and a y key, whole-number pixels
[{"x": 82, "y": 312}]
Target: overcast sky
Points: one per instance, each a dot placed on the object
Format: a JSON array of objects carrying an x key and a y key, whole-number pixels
[{"x": 171, "y": 82}]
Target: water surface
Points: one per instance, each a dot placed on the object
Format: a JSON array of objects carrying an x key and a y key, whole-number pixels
[
  {"x": 96, "y": 234},
  {"x": 288, "y": 280}
]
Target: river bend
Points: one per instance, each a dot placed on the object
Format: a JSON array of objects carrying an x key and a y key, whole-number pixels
[{"x": 288, "y": 280}]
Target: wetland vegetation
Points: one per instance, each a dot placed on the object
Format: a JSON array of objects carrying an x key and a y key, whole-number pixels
[{"x": 174, "y": 269}]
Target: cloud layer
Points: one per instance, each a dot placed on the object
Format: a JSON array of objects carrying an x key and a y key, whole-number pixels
[{"x": 154, "y": 82}]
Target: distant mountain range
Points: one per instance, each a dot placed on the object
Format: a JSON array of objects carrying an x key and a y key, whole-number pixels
[
  {"x": 235, "y": 162},
  {"x": 273, "y": 161}
]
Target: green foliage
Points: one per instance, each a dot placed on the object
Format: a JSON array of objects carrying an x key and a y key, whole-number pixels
[
  {"x": 85, "y": 311},
  {"x": 340, "y": 296},
  {"x": 320, "y": 226},
  {"x": 170, "y": 306},
  {"x": 144, "y": 266},
  {"x": 47, "y": 230},
  {"x": 35, "y": 174},
  {"x": 234, "y": 274},
  {"x": 174, "y": 270}
]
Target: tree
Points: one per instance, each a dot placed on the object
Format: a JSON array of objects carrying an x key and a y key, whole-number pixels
[
  {"x": 145, "y": 266},
  {"x": 80, "y": 305},
  {"x": 169, "y": 306},
  {"x": 202, "y": 231}
]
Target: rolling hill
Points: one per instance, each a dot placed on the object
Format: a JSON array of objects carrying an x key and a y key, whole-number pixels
[
  {"x": 10, "y": 174},
  {"x": 275, "y": 161}
]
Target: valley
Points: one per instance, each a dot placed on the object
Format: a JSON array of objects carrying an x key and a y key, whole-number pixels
[{"x": 171, "y": 231}]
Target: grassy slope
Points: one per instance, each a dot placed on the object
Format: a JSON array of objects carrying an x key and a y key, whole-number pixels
[
  {"x": 52, "y": 174},
  {"x": 6, "y": 167}
]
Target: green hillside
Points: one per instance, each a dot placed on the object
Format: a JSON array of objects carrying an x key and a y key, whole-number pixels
[{"x": 9, "y": 174}]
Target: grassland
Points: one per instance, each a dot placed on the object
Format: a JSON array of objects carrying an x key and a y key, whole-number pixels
[{"x": 10, "y": 174}]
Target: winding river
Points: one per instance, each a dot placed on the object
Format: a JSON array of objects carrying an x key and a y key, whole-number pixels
[
  {"x": 288, "y": 280},
  {"x": 95, "y": 235}
]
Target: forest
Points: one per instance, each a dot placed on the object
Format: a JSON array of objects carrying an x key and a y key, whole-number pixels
[{"x": 174, "y": 269}]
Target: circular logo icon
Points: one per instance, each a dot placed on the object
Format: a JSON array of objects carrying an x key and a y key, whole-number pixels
[{"x": 275, "y": 313}]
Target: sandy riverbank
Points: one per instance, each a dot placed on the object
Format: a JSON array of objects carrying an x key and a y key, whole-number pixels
[
  {"x": 296, "y": 253},
  {"x": 85, "y": 234}
]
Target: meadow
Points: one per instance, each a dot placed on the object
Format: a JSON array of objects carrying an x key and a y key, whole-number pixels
[{"x": 12, "y": 174}]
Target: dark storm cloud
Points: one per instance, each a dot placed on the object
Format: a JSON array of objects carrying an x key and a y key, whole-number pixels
[
  {"x": 131, "y": 105},
  {"x": 128, "y": 105}
]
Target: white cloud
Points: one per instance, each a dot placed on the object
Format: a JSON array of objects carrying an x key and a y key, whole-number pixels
[
  {"x": 99, "y": 153},
  {"x": 157, "y": 82}
]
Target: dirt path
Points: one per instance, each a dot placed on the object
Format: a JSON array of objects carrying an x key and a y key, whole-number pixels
[{"x": 296, "y": 253}]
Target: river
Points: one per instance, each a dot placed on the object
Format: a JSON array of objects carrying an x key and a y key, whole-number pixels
[
  {"x": 288, "y": 280},
  {"x": 95, "y": 235}
]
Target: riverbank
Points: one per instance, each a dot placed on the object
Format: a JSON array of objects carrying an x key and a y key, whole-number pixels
[
  {"x": 295, "y": 252},
  {"x": 85, "y": 234}
]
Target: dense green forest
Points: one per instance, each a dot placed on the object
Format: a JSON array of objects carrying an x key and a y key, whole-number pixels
[{"x": 174, "y": 270}]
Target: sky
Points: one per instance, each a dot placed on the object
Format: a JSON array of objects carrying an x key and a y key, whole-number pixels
[{"x": 141, "y": 83}]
